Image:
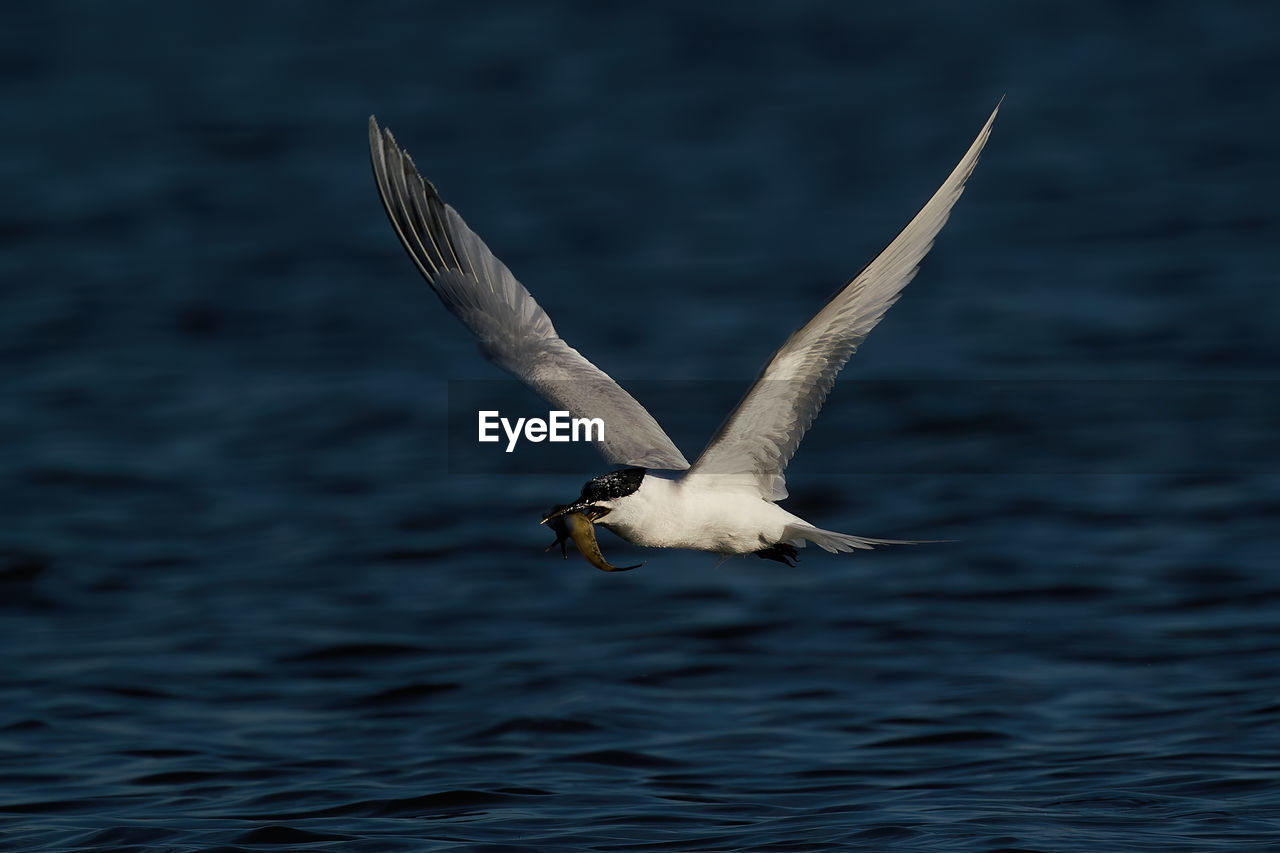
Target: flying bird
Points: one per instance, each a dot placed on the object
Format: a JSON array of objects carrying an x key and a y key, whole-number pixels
[{"x": 727, "y": 501}]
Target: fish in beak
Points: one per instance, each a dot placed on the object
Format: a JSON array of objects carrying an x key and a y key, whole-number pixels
[{"x": 570, "y": 523}]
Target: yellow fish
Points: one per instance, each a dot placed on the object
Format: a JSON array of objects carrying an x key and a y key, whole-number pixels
[{"x": 578, "y": 527}]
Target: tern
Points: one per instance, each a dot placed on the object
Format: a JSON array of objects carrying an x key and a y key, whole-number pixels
[{"x": 727, "y": 501}]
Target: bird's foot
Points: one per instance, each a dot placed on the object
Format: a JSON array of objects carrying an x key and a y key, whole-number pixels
[{"x": 782, "y": 552}]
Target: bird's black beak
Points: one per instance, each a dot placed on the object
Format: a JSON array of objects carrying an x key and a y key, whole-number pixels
[
  {"x": 593, "y": 513},
  {"x": 561, "y": 509}
]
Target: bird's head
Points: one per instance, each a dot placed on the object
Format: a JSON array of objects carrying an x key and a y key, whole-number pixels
[{"x": 599, "y": 495}]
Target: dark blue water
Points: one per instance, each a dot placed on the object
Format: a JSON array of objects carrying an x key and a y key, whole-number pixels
[{"x": 246, "y": 604}]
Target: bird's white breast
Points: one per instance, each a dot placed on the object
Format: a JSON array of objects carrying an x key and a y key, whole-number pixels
[{"x": 674, "y": 513}]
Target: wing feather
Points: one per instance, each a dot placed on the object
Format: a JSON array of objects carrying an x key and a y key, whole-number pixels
[
  {"x": 511, "y": 328},
  {"x": 755, "y": 443}
]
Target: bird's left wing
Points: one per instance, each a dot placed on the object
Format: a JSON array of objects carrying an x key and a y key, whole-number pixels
[
  {"x": 754, "y": 445},
  {"x": 512, "y": 329}
]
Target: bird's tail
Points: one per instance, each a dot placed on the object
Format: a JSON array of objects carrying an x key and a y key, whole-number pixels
[{"x": 829, "y": 540}]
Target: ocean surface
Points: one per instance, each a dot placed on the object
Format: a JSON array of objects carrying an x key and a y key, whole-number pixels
[{"x": 252, "y": 597}]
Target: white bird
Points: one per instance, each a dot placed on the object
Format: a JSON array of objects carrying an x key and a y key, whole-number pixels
[{"x": 726, "y": 502}]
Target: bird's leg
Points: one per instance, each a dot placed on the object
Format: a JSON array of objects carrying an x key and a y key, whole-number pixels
[{"x": 782, "y": 552}]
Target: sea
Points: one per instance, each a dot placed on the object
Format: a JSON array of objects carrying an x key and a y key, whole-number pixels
[{"x": 260, "y": 591}]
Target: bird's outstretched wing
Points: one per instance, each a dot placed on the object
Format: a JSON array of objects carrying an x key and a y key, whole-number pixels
[
  {"x": 512, "y": 329},
  {"x": 754, "y": 444}
]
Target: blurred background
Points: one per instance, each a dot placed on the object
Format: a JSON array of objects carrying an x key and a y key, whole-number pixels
[{"x": 245, "y": 600}]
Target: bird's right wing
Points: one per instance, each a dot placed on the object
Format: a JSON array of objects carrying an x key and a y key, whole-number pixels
[
  {"x": 512, "y": 329},
  {"x": 754, "y": 445}
]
